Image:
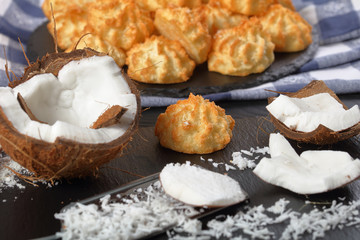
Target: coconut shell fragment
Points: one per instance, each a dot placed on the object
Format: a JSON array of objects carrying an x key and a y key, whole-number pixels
[
  {"x": 321, "y": 135},
  {"x": 110, "y": 117},
  {"x": 64, "y": 157}
]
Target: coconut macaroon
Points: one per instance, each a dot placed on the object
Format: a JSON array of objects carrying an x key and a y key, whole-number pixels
[
  {"x": 153, "y": 5},
  {"x": 289, "y": 31},
  {"x": 314, "y": 114},
  {"x": 246, "y": 7},
  {"x": 62, "y": 6},
  {"x": 121, "y": 23},
  {"x": 182, "y": 25},
  {"x": 69, "y": 114},
  {"x": 286, "y": 3},
  {"x": 194, "y": 126},
  {"x": 70, "y": 24},
  {"x": 313, "y": 172},
  {"x": 93, "y": 41},
  {"x": 159, "y": 60},
  {"x": 215, "y": 17},
  {"x": 241, "y": 50}
]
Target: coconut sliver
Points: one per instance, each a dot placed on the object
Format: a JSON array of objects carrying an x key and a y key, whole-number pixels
[
  {"x": 306, "y": 114},
  {"x": 196, "y": 186},
  {"x": 311, "y": 172},
  {"x": 71, "y": 102}
]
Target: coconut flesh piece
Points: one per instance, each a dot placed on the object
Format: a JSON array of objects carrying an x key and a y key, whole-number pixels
[
  {"x": 311, "y": 172},
  {"x": 196, "y": 186},
  {"x": 306, "y": 114},
  {"x": 72, "y": 102},
  {"x": 68, "y": 95}
]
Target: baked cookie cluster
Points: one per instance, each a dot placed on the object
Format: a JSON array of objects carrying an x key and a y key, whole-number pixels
[
  {"x": 194, "y": 126},
  {"x": 162, "y": 41}
]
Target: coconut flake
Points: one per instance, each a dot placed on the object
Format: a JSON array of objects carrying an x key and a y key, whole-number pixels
[
  {"x": 200, "y": 187},
  {"x": 311, "y": 172},
  {"x": 306, "y": 114}
]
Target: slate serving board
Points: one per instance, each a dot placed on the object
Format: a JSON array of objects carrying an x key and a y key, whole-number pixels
[
  {"x": 202, "y": 81},
  {"x": 33, "y": 209}
]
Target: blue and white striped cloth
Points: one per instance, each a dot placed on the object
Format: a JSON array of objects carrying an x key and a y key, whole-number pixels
[{"x": 337, "y": 60}]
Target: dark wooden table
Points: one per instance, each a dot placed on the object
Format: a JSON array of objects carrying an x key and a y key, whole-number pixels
[{"x": 29, "y": 213}]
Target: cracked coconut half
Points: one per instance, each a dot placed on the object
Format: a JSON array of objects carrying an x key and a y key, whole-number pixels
[
  {"x": 68, "y": 114},
  {"x": 314, "y": 114}
]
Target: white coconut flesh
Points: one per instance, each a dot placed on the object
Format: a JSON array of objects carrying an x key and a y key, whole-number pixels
[
  {"x": 311, "y": 172},
  {"x": 196, "y": 186},
  {"x": 71, "y": 102},
  {"x": 306, "y": 114}
]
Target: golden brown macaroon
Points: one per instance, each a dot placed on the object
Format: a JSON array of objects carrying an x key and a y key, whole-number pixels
[
  {"x": 194, "y": 126},
  {"x": 241, "y": 50},
  {"x": 153, "y": 5},
  {"x": 159, "y": 60},
  {"x": 288, "y": 30},
  {"x": 286, "y": 3},
  {"x": 95, "y": 42},
  {"x": 215, "y": 17},
  {"x": 70, "y": 24},
  {"x": 62, "y": 6},
  {"x": 180, "y": 24},
  {"x": 246, "y": 7},
  {"x": 121, "y": 23}
]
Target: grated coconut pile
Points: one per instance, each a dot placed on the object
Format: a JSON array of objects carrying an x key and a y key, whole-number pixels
[
  {"x": 136, "y": 218},
  {"x": 7, "y": 178}
]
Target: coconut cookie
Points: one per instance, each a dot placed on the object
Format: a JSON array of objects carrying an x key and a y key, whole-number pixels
[
  {"x": 288, "y": 30},
  {"x": 121, "y": 23},
  {"x": 215, "y": 17},
  {"x": 93, "y": 41},
  {"x": 286, "y": 3},
  {"x": 181, "y": 24},
  {"x": 241, "y": 50},
  {"x": 159, "y": 60},
  {"x": 153, "y": 5},
  {"x": 70, "y": 25},
  {"x": 246, "y": 7},
  {"x": 194, "y": 126}
]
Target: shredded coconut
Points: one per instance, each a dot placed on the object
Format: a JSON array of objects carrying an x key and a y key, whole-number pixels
[
  {"x": 136, "y": 217},
  {"x": 129, "y": 218},
  {"x": 255, "y": 221},
  {"x": 244, "y": 162},
  {"x": 240, "y": 161},
  {"x": 7, "y": 178}
]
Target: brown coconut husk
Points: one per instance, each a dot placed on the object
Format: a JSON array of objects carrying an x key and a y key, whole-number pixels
[
  {"x": 321, "y": 135},
  {"x": 64, "y": 158}
]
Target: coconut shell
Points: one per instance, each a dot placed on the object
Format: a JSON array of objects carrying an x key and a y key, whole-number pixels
[
  {"x": 321, "y": 135},
  {"x": 64, "y": 158}
]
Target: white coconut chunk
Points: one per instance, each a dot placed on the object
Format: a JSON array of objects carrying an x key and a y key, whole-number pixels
[
  {"x": 200, "y": 187},
  {"x": 71, "y": 102},
  {"x": 310, "y": 173},
  {"x": 306, "y": 114}
]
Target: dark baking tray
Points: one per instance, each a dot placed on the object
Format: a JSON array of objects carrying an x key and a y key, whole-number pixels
[{"x": 202, "y": 81}]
